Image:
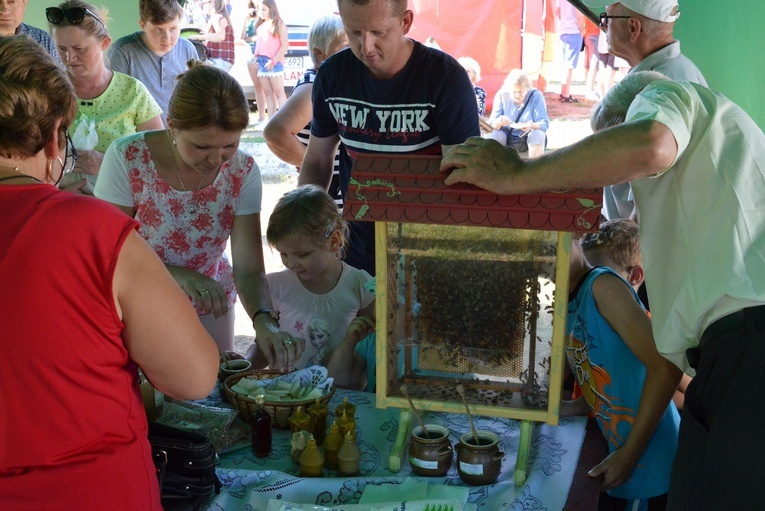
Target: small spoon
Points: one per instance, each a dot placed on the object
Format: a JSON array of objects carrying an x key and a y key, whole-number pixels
[
  {"x": 417, "y": 415},
  {"x": 461, "y": 392},
  {"x": 226, "y": 359}
]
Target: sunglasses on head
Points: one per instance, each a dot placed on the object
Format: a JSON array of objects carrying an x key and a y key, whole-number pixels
[{"x": 74, "y": 15}]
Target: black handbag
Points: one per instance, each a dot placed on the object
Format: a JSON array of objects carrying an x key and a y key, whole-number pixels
[{"x": 185, "y": 464}]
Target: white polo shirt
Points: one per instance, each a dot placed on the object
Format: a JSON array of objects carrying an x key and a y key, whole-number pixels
[
  {"x": 702, "y": 221},
  {"x": 669, "y": 61}
]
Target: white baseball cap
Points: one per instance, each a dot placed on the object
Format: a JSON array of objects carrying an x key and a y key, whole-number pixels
[{"x": 659, "y": 10}]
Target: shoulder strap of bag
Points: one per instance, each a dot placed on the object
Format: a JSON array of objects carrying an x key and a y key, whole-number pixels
[{"x": 525, "y": 104}]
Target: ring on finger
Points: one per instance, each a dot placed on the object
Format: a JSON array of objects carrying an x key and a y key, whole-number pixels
[
  {"x": 203, "y": 291},
  {"x": 288, "y": 341}
]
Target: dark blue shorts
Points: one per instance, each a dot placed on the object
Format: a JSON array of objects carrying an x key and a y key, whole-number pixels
[{"x": 262, "y": 60}]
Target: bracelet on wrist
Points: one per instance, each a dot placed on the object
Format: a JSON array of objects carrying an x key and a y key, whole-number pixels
[{"x": 270, "y": 313}]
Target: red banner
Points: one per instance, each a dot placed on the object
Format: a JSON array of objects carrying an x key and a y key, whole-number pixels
[{"x": 488, "y": 31}]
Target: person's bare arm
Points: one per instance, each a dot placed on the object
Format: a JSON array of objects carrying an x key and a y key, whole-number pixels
[
  {"x": 155, "y": 123},
  {"x": 252, "y": 287},
  {"x": 347, "y": 367},
  {"x": 281, "y": 130},
  {"x": 162, "y": 332},
  {"x": 89, "y": 162},
  {"x": 220, "y": 32},
  {"x": 615, "y": 155},
  {"x": 285, "y": 43},
  {"x": 621, "y": 311},
  {"x": 318, "y": 161},
  {"x": 128, "y": 210},
  {"x": 248, "y": 263},
  {"x": 213, "y": 299},
  {"x": 679, "y": 396}
]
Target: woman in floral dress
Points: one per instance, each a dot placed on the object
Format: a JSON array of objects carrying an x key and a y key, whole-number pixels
[{"x": 192, "y": 189}]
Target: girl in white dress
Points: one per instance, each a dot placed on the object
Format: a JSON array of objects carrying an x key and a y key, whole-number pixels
[{"x": 317, "y": 288}]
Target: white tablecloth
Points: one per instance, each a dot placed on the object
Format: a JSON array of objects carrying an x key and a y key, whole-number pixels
[{"x": 249, "y": 482}]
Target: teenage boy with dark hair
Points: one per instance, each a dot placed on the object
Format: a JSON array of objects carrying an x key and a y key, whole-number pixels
[{"x": 156, "y": 54}]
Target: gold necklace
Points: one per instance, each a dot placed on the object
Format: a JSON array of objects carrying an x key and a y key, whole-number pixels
[
  {"x": 21, "y": 174},
  {"x": 192, "y": 208}
]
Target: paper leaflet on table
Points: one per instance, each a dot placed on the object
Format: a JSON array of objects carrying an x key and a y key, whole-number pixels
[
  {"x": 414, "y": 490},
  {"x": 420, "y": 505}
]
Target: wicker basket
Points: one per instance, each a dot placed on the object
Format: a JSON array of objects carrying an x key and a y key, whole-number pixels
[{"x": 279, "y": 411}]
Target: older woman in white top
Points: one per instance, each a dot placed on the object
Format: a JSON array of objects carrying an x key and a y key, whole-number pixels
[{"x": 519, "y": 115}]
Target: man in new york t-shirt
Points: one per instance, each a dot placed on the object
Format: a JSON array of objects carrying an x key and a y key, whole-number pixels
[{"x": 385, "y": 94}]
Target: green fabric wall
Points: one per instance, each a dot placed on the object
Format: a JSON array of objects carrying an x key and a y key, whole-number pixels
[
  {"x": 122, "y": 15},
  {"x": 726, "y": 40}
]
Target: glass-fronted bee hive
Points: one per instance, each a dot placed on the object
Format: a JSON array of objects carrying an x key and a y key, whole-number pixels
[
  {"x": 467, "y": 282},
  {"x": 474, "y": 305}
]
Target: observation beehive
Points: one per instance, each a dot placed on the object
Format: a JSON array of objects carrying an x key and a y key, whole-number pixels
[{"x": 467, "y": 282}]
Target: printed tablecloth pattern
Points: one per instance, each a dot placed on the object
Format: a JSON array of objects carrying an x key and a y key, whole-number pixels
[{"x": 249, "y": 482}]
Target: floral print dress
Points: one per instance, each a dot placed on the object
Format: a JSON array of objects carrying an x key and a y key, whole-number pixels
[{"x": 189, "y": 229}]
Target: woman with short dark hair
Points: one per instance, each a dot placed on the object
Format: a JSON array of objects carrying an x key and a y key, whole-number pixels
[{"x": 84, "y": 302}]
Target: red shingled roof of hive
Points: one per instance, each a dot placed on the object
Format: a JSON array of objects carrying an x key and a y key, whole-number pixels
[{"x": 387, "y": 188}]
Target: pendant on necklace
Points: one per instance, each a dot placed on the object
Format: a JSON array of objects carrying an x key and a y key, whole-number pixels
[{"x": 193, "y": 210}]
